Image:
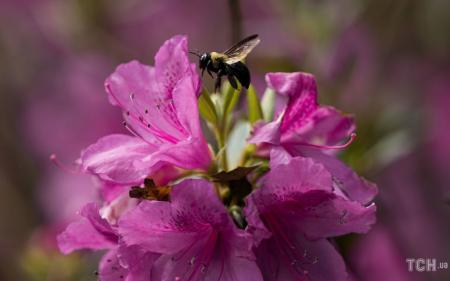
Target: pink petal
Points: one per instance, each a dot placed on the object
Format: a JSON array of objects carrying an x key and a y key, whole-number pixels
[
  {"x": 199, "y": 203},
  {"x": 150, "y": 226},
  {"x": 172, "y": 64},
  {"x": 279, "y": 156},
  {"x": 186, "y": 105},
  {"x": 212, "y": 257},
  {"x": 165, "y": 227},
  {"x": 148, "y": 108},
  {"x": 268, "y": 133},
  {"x": 325, "y": 126},
  {"x": 110, "y": 191},
  {"x": 110, "y": 269},
  {"x": 285, "y": 180},
  {"x": 160, "y": 106},
  {"x": 146, "y": 94},
  {"x": 302, "y": 92},
  {"x": 307, "y": 260},
  {"x": 90, "y": 232},
  {"x": 320, "y": 214},
  {"x": 116, "y": 158},
  {"x": 255, "y": 226},
  {"x": 194, "y": 234},
  {"x": 292, "y": 84},
  {"x": 354, "y": 186},
  {"x": 137, "y": 262}
]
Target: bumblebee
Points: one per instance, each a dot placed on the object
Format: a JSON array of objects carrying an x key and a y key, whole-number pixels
[{"x": 229, "y": 63}]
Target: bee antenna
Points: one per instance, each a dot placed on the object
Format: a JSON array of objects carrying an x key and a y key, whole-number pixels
[{"x": 195, "y": 52}]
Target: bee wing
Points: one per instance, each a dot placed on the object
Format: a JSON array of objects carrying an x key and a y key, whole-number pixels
[{"x": 241, "y": 49}]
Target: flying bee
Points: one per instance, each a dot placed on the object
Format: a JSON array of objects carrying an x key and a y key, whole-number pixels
[{"x": 229, "y": 63}]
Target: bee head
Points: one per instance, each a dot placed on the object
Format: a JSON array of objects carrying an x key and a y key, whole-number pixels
[{"x": 204, "y": 59}]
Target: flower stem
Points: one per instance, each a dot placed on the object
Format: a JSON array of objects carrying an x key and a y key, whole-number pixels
[
  {"x": 236, "y": 20},
  {"x": 221, "y": 136}
]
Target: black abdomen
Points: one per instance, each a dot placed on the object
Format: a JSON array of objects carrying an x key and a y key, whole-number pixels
[{"x": 240, "y": 71}]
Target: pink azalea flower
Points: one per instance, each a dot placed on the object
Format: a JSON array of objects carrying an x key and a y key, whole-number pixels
[
  {"x": 160, "y": 109},
  {"x": 96, "y": 233},
  {"x": 293, "y": 214},
  {"x": 305, "y": 128},
  {"x": 194, "y": 234}
]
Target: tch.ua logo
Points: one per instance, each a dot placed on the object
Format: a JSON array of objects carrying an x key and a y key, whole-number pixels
[{"x": 425, "y": 264}]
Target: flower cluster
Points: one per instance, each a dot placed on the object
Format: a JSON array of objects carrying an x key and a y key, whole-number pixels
[{"x": 172, "y": 208}]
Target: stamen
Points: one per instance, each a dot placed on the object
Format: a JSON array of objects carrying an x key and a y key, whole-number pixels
[
  {"x": 132, "y": 131},
  {"x": 340, "y": 146},
  {"x": 155, "y": 130},
  {"x": 128, "y": 113},
  {"x": 62, "y": 166}
]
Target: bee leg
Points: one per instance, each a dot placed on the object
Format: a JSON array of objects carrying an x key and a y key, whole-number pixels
[
  {"x": 232, "y": 81},
  {"x": 218, "y": 83},
  {"x": 203, "y": 71},
  {"x": 207, "y": 68},
  {"x": 220, "y": 73},
  {"x": 210, "y": 74}
]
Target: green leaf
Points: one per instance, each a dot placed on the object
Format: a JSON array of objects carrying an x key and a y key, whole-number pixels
[
  {"x": 207, "y": 108},
  {"x": 254, "y": 106},
  {"x": 231, "y": 97}
]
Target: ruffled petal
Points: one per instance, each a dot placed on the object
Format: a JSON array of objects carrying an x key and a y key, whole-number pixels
[
  {"x": 150, "y": 225},
  {"x": 292, "y": 84},
  {"x": 255, "y": 226},
  {"x": 325, "y": 126},
  {"x": 172, "y": 64},
  {"x": 194, "y": 234},
  {"x": 266, "y": 133},
  {"x": 213, "y": 257},
  {"x": 279, "y": 156},
  {"x": 137, "y": 262},
  {"x": 344, "y": 178},
  {"x": 111, "y": 191},
  {"x": 133, "y": 87},
  {"x": 186, "y": 104},
  {"x": 328, "y": 215},
  {"x": 301, "y": 89},
  {"x": 146, "y": 94},
  {"x": 198, "y": 203},
  {"x": 160, "y": 107},
  {"x": 308, "y": 260},
  {"x": 286, "y": 180},
  {"x": 90, "y": 232},
  {"x": 110, "y": 268},
  {"x": 118, "y": 159}
]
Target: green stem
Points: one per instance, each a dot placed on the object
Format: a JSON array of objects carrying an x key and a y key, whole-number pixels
[{"x": 221, "y": 136}]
